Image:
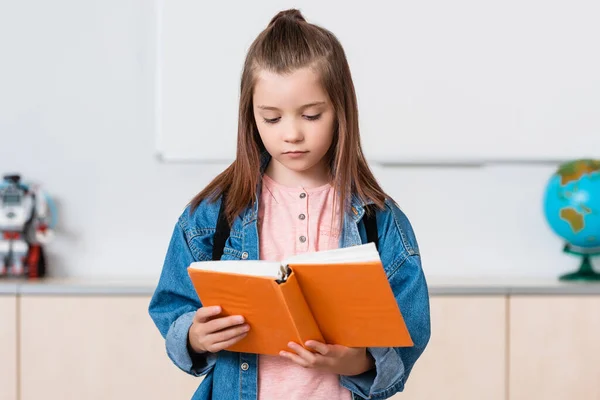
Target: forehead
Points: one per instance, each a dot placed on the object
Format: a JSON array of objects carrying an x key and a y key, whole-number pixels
[{"x": 299, "y": 87}]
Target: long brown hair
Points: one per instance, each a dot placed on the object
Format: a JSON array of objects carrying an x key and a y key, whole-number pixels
[{"x": 287, "y": 44}]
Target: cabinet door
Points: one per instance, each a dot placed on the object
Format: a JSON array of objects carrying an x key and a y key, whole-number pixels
[
  {"x": 8, "y": 347},
  {"x": 95, "y": 347},
  {"x": 466, "y": 356},
  {"x": 554, "y": 347}
]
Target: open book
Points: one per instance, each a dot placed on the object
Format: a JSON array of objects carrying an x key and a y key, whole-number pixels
[{"x": 339, "y": 296}]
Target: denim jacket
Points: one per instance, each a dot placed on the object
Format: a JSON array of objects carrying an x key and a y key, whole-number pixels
[{"x": 229, "y": 375}]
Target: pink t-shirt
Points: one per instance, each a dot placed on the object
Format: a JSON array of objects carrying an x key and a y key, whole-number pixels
[{"x": 293, "y": 221}]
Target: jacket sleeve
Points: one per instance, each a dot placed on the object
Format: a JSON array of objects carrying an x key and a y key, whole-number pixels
[
  {"x": 175, "y": 302},
  {"x": 402, "y": 262}
]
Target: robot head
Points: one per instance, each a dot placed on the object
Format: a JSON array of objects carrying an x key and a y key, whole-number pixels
[{"x": 14, "y": 179}]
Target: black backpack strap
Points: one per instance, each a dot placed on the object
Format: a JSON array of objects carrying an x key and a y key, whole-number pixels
[
  {"x": 370, "y": 221},
  {"x": 221, "y": 232}
]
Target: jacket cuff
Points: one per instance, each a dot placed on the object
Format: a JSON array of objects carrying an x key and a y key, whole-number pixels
[
  {"x": 380, "y": 383},
  {"x": 177, "y": 348}
]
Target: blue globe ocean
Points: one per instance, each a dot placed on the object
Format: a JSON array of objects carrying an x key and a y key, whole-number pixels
[{"x": 572, "y": 204}]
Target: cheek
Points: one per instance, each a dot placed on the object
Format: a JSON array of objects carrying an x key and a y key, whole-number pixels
[
  {"x": 325, "y": 132},
  {"x": 269, "y": 139}
]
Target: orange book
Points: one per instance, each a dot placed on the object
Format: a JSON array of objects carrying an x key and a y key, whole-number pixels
[{"x": 339, "y": 296}]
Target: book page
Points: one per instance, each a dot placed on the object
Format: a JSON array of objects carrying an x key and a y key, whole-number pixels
[
  {"x": 361, "y": 253},
  {"x": 266, "y": 269}
]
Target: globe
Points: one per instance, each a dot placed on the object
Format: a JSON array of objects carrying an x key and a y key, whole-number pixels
[{"x": 572, "y": 210}]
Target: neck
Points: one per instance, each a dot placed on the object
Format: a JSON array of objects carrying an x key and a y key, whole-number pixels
[{"x": 316, "y": 176}]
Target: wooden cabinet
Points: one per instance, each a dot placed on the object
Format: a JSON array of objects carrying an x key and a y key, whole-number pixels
[
  {"x": 554, "y": 347},
  {"x": 466, "y": 356},
  {"x": 98, "y": 347},
  {"x": 95, "y": 347},
  {"x": 8, "y": 347},
  {"x": 493, "y": 347}
]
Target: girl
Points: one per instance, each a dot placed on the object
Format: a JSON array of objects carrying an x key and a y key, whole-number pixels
[{"x": 299, "y": 183}]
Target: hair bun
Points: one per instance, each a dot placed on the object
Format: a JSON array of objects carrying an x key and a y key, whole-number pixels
[{"x": 289, "y": 15}]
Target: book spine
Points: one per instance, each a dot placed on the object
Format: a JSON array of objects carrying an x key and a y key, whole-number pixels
[{"x": 300, "y": 313}]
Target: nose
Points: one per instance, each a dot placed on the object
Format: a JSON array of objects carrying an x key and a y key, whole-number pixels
[{"x": 293, "y": 133}]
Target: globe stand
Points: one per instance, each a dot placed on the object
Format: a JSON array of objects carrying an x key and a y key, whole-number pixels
[{"x": 585, "y": 272}]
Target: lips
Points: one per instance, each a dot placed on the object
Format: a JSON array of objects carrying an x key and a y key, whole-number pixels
[{"x": 295, "y": 152}]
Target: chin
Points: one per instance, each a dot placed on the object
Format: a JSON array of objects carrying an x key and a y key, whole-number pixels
[{"x": 299, "y": 165}]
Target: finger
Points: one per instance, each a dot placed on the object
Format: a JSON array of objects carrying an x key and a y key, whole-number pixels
[
  {"x": 302, "y": 352},
  {"x": 295, "y": 358},
  {"x": 319, "y": 347},
  {"x": 219, "y": 324},
  {"x": 204, "y": 313},
  {"x": 228, "y": 334},
  {"x": 225, "y": 344}
]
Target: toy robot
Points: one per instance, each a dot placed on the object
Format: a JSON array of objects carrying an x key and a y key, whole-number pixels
[{"x": 27, "y": 219}]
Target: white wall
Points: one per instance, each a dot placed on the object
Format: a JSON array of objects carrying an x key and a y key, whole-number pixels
[{"x": 76, "y": 113}]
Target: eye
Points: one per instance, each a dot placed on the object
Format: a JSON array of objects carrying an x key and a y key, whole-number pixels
[
  {"x": 271, "y": 120},
  {"x": 312, "y": 117}
]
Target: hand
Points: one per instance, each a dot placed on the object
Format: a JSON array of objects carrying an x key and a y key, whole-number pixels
[
  {"x": 44, "y": 236},
  {"x": 337, "y": 359},
  {"x": 215, "y": 334}
]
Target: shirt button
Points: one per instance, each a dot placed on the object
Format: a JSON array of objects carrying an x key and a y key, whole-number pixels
[
  {"x": 244, "y": 255},
  {"x": 302, "y": 195},
  {"x": 245, "y": 366},
  {"x": 301, "y": 216},
  {"x": 302, "y": 239}
]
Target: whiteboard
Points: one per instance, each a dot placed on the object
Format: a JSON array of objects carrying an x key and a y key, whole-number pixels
[{"x": 437, "y": 81}]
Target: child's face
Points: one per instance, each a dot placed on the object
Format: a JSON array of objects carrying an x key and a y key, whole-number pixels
[{"x": 295, "y": 120}]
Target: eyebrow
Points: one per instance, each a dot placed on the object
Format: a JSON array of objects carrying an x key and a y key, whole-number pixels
[{"x": 316, "y": 103}]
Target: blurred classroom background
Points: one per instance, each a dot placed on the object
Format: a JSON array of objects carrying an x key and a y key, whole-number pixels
[{"x": 123, "y": 110}]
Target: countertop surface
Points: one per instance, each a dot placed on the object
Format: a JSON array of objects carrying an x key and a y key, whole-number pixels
[{"x": 437, "y": 286}]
